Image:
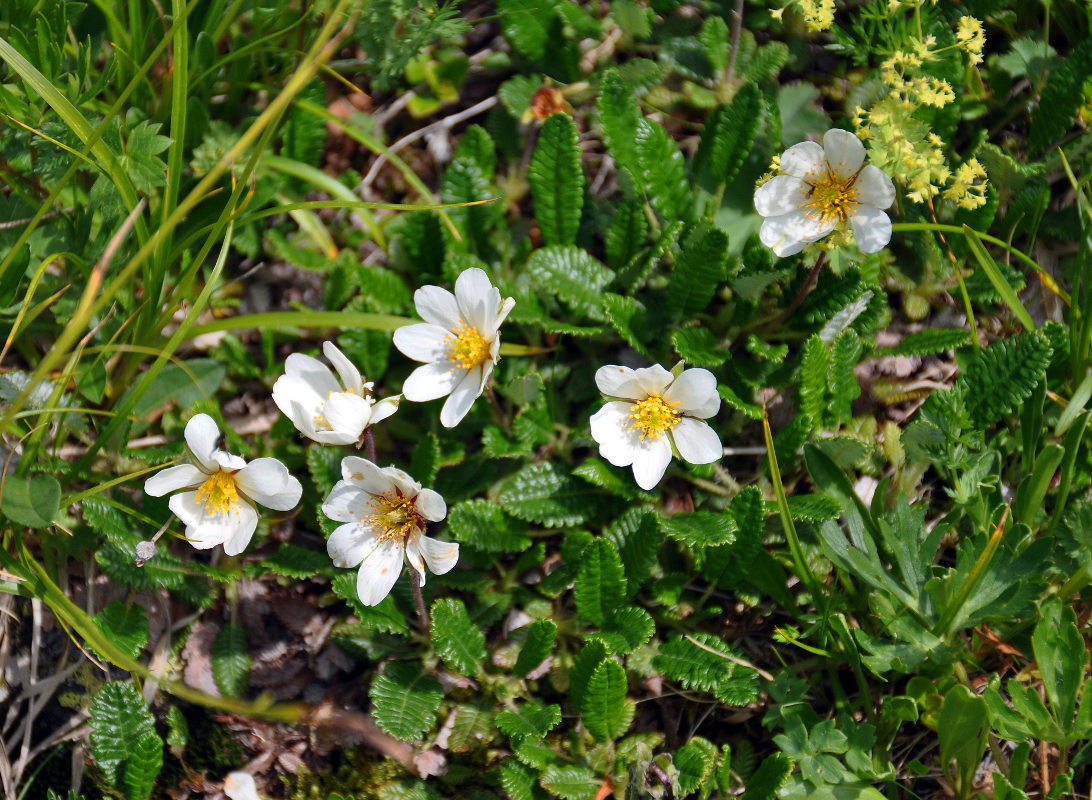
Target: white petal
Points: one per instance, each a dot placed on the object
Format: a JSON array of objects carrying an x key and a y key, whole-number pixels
[
  {"x": 466, "y": 391},
  {"x": 439, "y": 556},
  {"x": 347, "y": 502},
  {"x": 299, "y": 401},
  {"x": 786, "y": 235},
  {"x": 871, "y": 228},
  {"x": 205, "y": 529},
  {"x": 366, "y": 475},
  {"x": 268, "y": 481},
  {"x": 696, "y": 441},
  {"x": 348, "y": 414},
  {"x": 378, "y": 572},
  {"x": 422, "y": 342},
  {"x": 610, "y": 427},
  {"x": 654, "y": 379},
  {"x": 437, "y": 306},
  {"x": 240, "y": 786},
  {"x": 431, "y": 505},
  {"x": 845, "y": 153},
  {"x": 348, "y": 544},
  {"x": 183, "y": 476},
  {"x": 478, "y": 299},
  {"x": 201, "y": 437},
  {"x": 502, "y": 312},
  {"x": 780, "y": 195},
  {"x": 401, "y": 480},
  {"x": 695, "y": 390},
  {"x": 413, "y": 556},
  {"x": 617, "y": 381},
  {"x": 874, "y": 188},
  {"x": 650, "y": 462},
  {"x": 805, "y": 160},
  {"x": 349, "y": 374},
  {"x": 312, "y": 372},
  {"x": 228, "y": 462},
  {"x": 431, "y": 381},
  {"x": 385, "y": 407}
]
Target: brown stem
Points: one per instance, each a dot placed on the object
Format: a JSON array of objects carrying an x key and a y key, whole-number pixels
[
  {"x": 800, "y": 295},
  {"x": 656, "y": 771},
  {"x": 419, "y": 599},
  {"x": 737, "y": 25},
  {"x": 368, "y": 440}
]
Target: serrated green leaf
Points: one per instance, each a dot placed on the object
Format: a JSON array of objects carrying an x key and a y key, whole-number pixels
[
  {"x": 125, "y": 626},
  {"x": 600, "y": 582},
  {"x": 292, "y": 561},
  {"x": 324, "y": 466},
  {"x": 1003, "y": 375},
  {"x": 143, "y": 766},
  {"x": 425, "y": 459},
  {"x": 571, "y": 783},
  {"x": 599, "y": 473},
  {"x": 231, "y": 660},
  {"x": 405, "y": 700},
  {"x": 619, "y": 115},
  {"x": 382, "y": 617},
  {"x": 484, "y": 526},
  {"x": 695, "y": 761},
  {"x": 178, "y": 730},
  {"x": 604, "y": 707},
  {"x": 700, "y": 529},
  {"x": 1060, "y": 99},
  {"x": 929, "y": 341},
  {"x": 472, "y": 726},
  {"x": 557, "y": 180},
  {"x": 517, "y": 780},
  {"x": 628, "y": 628},
  {"x": 529, "y": 721},
  {"x": 661, "y": 171},
  {"x": 573, "y": 275},
  {"x": 515, "y": 93},
  {"x": 814, "y": 365},
  {"x": 119, "y": 717},
  {"x": 770, "y": 776},
  {"x": 698, "y": 347},
  {"x": 627, "y": 316},
  {"x": 383, "y": 290},
  {"x": 458, "y": 641},
  {"x": 31, "y": 500},
  {"x": 701, "y": 266},
  {"x": 626, "y": 235},
  {"x": 841, "y": 379},
  {"x": 547, "y": 495},
  {"x": 589, "y": 657},
  {"x": 477, "y": 145},
  {"x": 536, "y": 647},
  {"x": 637, "y": 537},
  {"x": 697, "y": 662},
  {"x": 729, "y": 134}
]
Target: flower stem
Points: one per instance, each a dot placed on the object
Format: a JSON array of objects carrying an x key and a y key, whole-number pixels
[
  {"x": 368, "y": 440},
  {"x": 800, "y": 295},
  {"x": 419, "y": 599}
]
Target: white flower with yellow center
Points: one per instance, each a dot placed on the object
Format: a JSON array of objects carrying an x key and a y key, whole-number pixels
[
  {"x": 221, "y": 510},
  {"x": 650, "y": 414},
  {"x": 821, "y": 188},
  {"x": 385, "y": 512},
  {"x": 458, "y": 341},
  {"x": 320, "y": 407}
]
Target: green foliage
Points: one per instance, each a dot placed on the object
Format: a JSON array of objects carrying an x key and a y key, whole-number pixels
[
  {"x": 545, "y": 494},
  {"x": 231, "y": 660},
  {"x": 661, "y": 172},
  {"x": 699, "y": 663},
  {"x": 619, "y": 115},
  {"x": 728, "y": 135},
  {"x": 600, "y": 582},
  {"x": 701, "y": 266},
  {"x": 1060, "y": 99},
  {"x": 457, "y": 640},
  {"x": 125, "y": 626},
  {"x": 1003, "y": 375},
  {"x": 557, "y": 180},
  {"x": 605, "y": 710},
  {"x": 124, "y": 742},
  {"x": 484, "y": 526},
  {"x": 31, "y": 500},
  {"x": 405, "y": 700},
  {"x": 536, "y": 647},
  {"x": 573, "y": 275},
  {"x": 700, "y": 529}
]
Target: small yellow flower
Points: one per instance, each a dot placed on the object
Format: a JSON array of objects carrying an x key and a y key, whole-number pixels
[{"x": 971, "y": 38}]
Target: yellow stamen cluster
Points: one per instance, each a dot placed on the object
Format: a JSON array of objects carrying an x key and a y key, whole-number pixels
[
  {"x": 395, "y": 518},
  {"x": 466, "y": 347},
  {"x": 832, "y": 196},
  {"x": 652, "y": 416},
  {"x": 218, "y": 494}
]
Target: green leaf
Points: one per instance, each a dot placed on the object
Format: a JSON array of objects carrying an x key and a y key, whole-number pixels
[
  {"x": 626, "y": 235},
  {"x": 590, "y": 656},
  {"x": 383, "y": 617},
  {"x": 573, "y": 275},
  {"x": 814, "y": 365},
  {"x": 770, "y": 776},
  {"x": 628, "y": 316},
  {"x": 529, "y": 721},
  {"x": 637, "y": 537},
  {"x": 700, "y": 529},
  {"x": 1003, "y": 375},
  {"x": 605, "y": 711},
  {"x": 841, "y": 379},
  {"x": 484, "y": 526},
  {"x": 178, "y": 730},
  {"x": 695, "y": 761},
  {"x": 661, "y": 172},
  {"x": 571, "y": 783},
  {"x": 557, "y": 180},
  {"x": 143, "y": 766},
  {"x": 697, "y": 662},
  {"x": 536, "y": 647},
  {"x": 600, "y": 582},
  {"x": 31, "y": 500},
  {"x": 599, "y": 473},
  {"x": 231, "y": 660},
  {"x": 425, "y": 459},
  {"x": 729, "y": 134},
  {"x": 1062, "y": 657},
  {"x": 477, "y": 145},
  {"x": 993, "y": 272},
  {"x": 119, "y": 717},
  {"x": 125, "y": 626},
  {"x": 458, "y": 641},
  {"x": 627, "y": 628},
  {"x": 515, "y": 93},
  {"x": 698, "y": 347},
  {"x": 1060, "y": 99},
  {"x": 701, "y": 266},
  {"x": 962, "y": 726},
  {"x": 547, "y": 495},
  {"x": 619, "y": 115},
  {"x": 292, "y": 561},
  {"x": 181, "y": 384},
  {"x": 929, "y": 341},
  {"x": 518, "y": 780},
  {"x": 405, "y": 700}
]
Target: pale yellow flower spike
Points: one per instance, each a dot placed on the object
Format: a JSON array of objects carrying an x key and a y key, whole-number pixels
[{"x": 971, "y": 38}]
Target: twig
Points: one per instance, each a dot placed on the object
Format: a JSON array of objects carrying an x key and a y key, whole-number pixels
[
  {"x": 419, "y": 599},
  {"x": 741, "y": 661}
]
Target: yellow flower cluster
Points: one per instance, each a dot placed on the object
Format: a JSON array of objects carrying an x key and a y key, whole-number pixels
[
  {"x": 904, "y": 148},
  {"x": 971, "y": 38},
  {"x": 818, "y": 14},
  {"x": 964, "y": 191}
]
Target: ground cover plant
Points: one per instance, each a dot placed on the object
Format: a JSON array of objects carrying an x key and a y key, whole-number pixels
[{"x": 545, "y": 399}]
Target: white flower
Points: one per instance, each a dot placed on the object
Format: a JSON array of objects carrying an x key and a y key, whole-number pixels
[
  {"x": 221, "y": 510},
  {"x": 821, "y": 187},
  {"x": 459, "y": 343},
  {"x": 322, "y": 409},
  {"x": 650, "y": 414},
  {"x": 240, "y": 786},
  {"x": 385, "y": 512}
]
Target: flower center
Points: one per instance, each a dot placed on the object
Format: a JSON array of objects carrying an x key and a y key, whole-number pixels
[
  {"x": 466, "y": 347},
  {"x": 218, "y": 494},
  {"x": 832, "y": 196},
  {"x": 396, "y": 516},
  {"x": 652, "y": 416}
]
